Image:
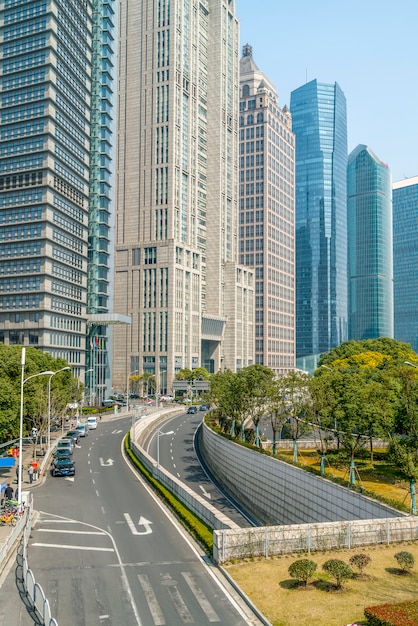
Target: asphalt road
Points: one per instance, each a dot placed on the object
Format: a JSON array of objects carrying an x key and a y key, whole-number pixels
[
  {"x": 177, "y": 454},
  {"x": 106, "y": 552}
]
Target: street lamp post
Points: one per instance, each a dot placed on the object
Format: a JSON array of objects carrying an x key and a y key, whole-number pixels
[
  {"x": 22, "y": 382},
  {"x": 127, "y": 388},
  {"x": 49, "y": 402},
  {"x": 160, "y": 434}
]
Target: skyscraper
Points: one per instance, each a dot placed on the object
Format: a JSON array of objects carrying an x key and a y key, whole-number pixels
[
  {"x": 266, "y": 202},
  {"x": 370, "y": 269},
  {"x": 320, "y": 125},
  {"x": 176, "y": 271},
  {"x": 53, "y": 64},
  {"x": 405, "y": 260}
]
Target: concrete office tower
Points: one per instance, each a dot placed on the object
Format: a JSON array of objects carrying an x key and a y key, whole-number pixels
[
  {"x": 176, "y": 271},
  {"x": 405, "y": 260},
  {"x": 320, "y": 125},
  {"x": 47, "y": 66},
  {"x": 370, "y": 268},
  {"x": 266, "y": 202}
]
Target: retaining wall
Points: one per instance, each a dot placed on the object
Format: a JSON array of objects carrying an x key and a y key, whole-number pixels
[{"x": 278, "y": 493}]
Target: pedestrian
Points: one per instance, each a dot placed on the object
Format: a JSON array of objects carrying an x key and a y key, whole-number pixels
[
  {"x": 30, "y": 472},
  {"x": 35, "y": 466},
  {"x": 8, "y": 492},
  {"x": 17, "y": 493},
  {"x": 100, "y": 417}
]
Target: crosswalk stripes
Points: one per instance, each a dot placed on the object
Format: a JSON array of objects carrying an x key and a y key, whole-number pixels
[{"x": 177, "y": 599}]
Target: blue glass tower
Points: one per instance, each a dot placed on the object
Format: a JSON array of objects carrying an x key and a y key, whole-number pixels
[
  {"x": 320, "y": 124},
  {"x": 370, "y": 266},
  {"x": 405, "y": 260}
]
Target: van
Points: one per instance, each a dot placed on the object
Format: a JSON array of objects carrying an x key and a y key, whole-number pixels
[
  {"x": 82, "y": 429},
  {"x": 91, "y": 423}
]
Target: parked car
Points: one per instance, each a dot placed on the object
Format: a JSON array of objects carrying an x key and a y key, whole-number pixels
[
  {"x": 204, "y": 407},
  {"x": 192, "y": 409},
  {"x": 73, "y": 434},
  {"x": 63, "y": 467},
  {"x": 91, "y": 423},
  {"x": 82, "y": 429},
  {"x": 62, "y": 453}
]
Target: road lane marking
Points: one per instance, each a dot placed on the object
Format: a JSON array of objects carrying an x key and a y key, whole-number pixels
[
  {"x": 205, "y": 493},
  {"x": 151, "y": 598},
  {"x": 141, "y": 522},
  {"x": 180, "y": 605},
  {"x": 107, "y": 463},
  {"x": 204, "y": 603},
  {"x": 70, "y": 532},
  {"x": 69, "y": 547}
]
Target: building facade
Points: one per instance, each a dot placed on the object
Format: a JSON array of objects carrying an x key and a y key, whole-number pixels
[
  {"x": 405, "y": 260},
  {"x": 370, "y": 265},
  {"x": 49, "y": 63},
  {"x": 176, "y": 270},
  {"x": 319, "y": 121},
  {"x": 266, "y": 210}
]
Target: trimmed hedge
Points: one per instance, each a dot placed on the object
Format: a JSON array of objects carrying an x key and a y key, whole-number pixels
[
  {"x": 399, "y": 614},
  {"x": 198, "y": 529}
]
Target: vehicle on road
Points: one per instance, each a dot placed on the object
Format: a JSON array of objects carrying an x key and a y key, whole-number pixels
[
  {"x": 82, "y": 429},
  {"x": 63, "y": 467},
  {"x": 91, "y": 423},
  {"x": 73, "y": 434},
  {"x": 192, "y": 409},
  {"x": 66, "y": 443},
  {"x": 62, "y": 453},
  {"x": 204, "y": 407}
]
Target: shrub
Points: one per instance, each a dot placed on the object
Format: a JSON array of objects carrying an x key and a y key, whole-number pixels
[
  {"x": 405, "y": 561},
  {"x": 405, "y": 613},
  {"x": 360, "y": 561},
  {"x": 302, "y": 570},
  {"x": 338, "y": 570}
]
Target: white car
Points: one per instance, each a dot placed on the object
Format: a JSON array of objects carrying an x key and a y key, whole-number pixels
[
  {"x": 91, "y": 423},
  {"x": 82, "y": 429}
]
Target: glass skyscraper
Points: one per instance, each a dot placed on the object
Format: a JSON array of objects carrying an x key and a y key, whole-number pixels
[
  {"x": 55, "y": 138},
  {"x": 319, "y": 122},
  {"x": 370, "y": 272},
  {"x": 405, "y": 260}
]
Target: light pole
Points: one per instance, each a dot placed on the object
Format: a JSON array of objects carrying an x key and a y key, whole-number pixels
[
  {"x": 22, "y": 382},
  {"x": 127, "y": 388},
  {"x": 160, "y": 434},
  {"x": 49, "y": 402}
]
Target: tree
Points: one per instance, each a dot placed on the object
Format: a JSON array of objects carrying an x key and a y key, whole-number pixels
[
  {"x": 276, "y": 409},
  {"x": 255, "y": 384},
  {"x": 295, "y": 394},
  {"x": 302, "y": 570},
  {"x": 338, "y": 570},
  {"x": 405, "y": 561},
  {"x": 403, "y": 453},
  {"x": 360, "y": 561}
]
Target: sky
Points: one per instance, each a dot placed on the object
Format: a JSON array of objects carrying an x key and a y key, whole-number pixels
[{"x": 369, "y": 48}]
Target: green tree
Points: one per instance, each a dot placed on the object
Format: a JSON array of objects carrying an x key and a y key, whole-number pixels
[
  {"x": 302, "y": 570},
  {"x": 339, "y": 570},
  {"x": 405, "y": 561},
  {"x": 295, "y": 394},
  {"x": 255, "y": 384}
]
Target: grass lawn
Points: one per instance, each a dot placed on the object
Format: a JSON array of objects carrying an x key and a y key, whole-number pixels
[{"x": 268, "y": 584}]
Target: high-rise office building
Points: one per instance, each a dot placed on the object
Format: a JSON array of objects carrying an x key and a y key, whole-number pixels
[
  {"x": 176, "y": 271},
  {"x": 266, "y": 203},
  {"x": 405, "y": 260},
  {"x": 54, "y": 107},
  {"x": 319, "y": 122},
  {"x": 370, "y": 268}
]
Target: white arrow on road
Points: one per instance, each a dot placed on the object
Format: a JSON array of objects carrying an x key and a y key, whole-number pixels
[
  {"x": 205, "y": 493},
  {"x": 141, "y": 522},
  {"x": 70, "y": 478},
  {"x": 107, "y": 463}
]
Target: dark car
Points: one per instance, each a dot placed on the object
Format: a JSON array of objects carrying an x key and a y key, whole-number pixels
[
  {"x": 192, "y": 409},
  {"x": 62, "y": 453},
  {"x": 74, "y": 435},
  {"x": 204, "y": 407},
  {"x": 63, "y": 467}
]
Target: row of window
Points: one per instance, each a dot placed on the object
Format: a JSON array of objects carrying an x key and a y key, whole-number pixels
[
  {"x": 24, "y": 95},
  {"x": 31, "y": 161},
  {"x": 25, "y": 214},
  {"x": 31, "y": 77},
  {"x": 20, "y": 267},
  {"x": 28, "y": 111},
  {"x": 26, "y": 301},
  {"x": 25, "y": 28}
]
